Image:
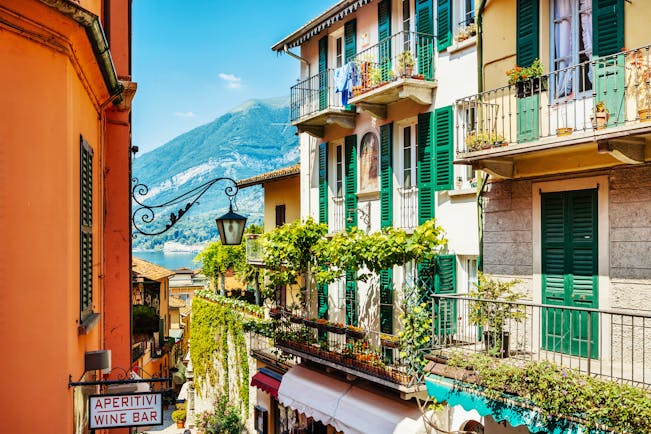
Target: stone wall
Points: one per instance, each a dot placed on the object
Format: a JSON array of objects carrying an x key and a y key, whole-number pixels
[
  {"x": 630, "y": 238},
  {"x": 508, "y": 231}
]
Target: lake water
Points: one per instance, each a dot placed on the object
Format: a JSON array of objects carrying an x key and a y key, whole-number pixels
[{"x": 171, "y": 261}]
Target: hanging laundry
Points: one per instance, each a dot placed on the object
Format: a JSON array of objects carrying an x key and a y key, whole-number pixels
[{"x": 345, "y": 78}]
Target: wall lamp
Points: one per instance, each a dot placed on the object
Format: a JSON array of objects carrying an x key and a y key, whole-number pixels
[{"x": 230, "y": 225}]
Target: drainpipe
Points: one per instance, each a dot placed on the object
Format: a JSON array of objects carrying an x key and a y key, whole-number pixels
[
  {"x": 480, "y": 88},
  {"x": 299, "y": 58}
]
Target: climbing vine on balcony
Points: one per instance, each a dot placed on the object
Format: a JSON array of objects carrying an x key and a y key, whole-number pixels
[
  {"x": 217, "y": 337},
  {"x": 559, "y": 391}
]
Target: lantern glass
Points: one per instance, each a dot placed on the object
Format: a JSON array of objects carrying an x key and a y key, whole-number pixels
[{"x": 231, "y": 228}]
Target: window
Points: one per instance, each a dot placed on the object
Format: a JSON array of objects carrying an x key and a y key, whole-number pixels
[
  {"x": 466, "y": 12},
  {"x": 339, "y": 172},
  {"x": 368, "y": 163},
  {"x": 406, "y": 23},
  {"x": 571, "y": 45},
  {"x": 409, "y": 156},
  {"x": 280, "y": 215},
  {"x": 86, "y": 229},
  {"x": 339, "y": 54}
]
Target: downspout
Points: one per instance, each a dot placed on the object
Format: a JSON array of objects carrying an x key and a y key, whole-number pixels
[
  {"x": 480, "y": 88},
  {"x": 299, "y": 58}
]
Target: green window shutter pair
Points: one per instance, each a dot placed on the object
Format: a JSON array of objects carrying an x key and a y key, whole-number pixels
[
  {"x": 386, "y": 301},
  {"x": 86, "y": 228},
  {"x": 323, "y": 73},
  {"x": 607, "y": 26},
  {"x": 322, "y": 300},
  {"x": 384, "y": 38},
  {"x": 352, "y": 316},
  {"x": 444, "y": 24},
  {"x": 527, "y": 32},
  {"x": 386, "y": 175},
  {"x": 323, "y": 183},
  {"x": 350, "y": 181},
  {"x": 445, "y": 282},
  {"x": 435, "y": 152}
]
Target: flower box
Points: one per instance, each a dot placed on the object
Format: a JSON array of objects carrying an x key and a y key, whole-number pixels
[
  {"x": 296, "y": 319},
  {"x": 530, "y": 87},
  {"x": 356, "y": 333}
]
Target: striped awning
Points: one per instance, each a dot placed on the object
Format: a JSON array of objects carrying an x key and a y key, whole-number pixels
[
  {"x": 267, "y": 381},
  {"x": 320, "y": 23}
]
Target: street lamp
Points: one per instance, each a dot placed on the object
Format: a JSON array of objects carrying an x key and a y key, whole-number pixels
[{"x": 230, "y": 225}]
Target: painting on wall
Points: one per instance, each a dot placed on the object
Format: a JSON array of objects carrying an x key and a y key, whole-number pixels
[{"x": 368, "y": 163}]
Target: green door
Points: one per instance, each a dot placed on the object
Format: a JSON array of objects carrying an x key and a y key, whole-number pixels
[
  {"x": 569, "y": 272},
  {"x": 528, "y": 118}
]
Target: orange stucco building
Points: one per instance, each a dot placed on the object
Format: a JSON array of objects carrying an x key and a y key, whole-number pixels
[{"x": 65, "y": 140}]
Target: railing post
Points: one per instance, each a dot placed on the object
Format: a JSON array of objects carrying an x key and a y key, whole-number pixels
[{"x": 589, "y": 342}]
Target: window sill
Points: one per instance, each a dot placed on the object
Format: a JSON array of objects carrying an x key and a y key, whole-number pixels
[
  {"x": 462, "y": 192},
  {"x": 88, "y": 324},
  {"x": 460, "y": 46}
]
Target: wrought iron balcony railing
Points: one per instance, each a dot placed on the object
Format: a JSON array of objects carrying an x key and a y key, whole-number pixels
[
  {"x": 314, "y": 95},
  {"x": 613, "y": 345},
  {"x": 401, "y": 55},
  {"x": 606, "y": 95}
]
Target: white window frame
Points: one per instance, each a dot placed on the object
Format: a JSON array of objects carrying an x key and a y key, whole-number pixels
[
  {"x": 460, "y": 13},
  {"x": 333, "y": 55}
]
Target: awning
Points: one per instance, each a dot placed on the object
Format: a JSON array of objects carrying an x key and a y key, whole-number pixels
[
  {"x": 183, "y": 393},
  {"x": 516, "y": 413},
  {"x": 347, "y": 408},
  {"x": 177, "y": 334},
  {"x": 267, "y": 381}
]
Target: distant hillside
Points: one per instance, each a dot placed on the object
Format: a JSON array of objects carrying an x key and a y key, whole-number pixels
[{"x": 252, "y": 138}]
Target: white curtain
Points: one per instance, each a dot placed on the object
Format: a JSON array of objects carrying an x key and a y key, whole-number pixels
[
  {"x": 563, "y": 45},
  {"x": 586, "y": 31}
]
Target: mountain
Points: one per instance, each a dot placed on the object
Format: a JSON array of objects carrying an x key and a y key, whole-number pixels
[{"x": 252, "y": 138}]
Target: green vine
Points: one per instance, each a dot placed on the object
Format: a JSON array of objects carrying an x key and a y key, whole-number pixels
[
  {"x": 215, "y": 327},
  {"x": 560, "y": 391}
]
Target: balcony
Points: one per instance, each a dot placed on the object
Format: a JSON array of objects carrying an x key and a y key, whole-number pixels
[
  {"x": 315, "y": 104},
  {"x": 400, "y": 67},
  {"x": 361, "y": 353},
  {"x": 506, "y": 131},
  {"x": 608, "y": 344},
  {"x": 408, "y": 213}
]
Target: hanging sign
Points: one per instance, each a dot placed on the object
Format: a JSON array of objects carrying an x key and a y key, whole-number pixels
[{"x": 124, "y": 410}]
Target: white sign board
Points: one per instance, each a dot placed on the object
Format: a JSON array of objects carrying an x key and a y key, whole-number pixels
[{"x": 124, "y": 410}]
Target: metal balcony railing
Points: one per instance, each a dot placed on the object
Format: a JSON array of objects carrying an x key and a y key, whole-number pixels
[
  {"x": 568, "y": 103},
  {"x": 338, "y": 222},
  {"x": 402, "y": 55},
  {"x": 609, "y": 344},
  {"x": 408, "y": 212},
  {"x": 313, "y": 95}
]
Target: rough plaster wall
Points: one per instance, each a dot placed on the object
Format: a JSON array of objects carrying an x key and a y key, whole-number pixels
[
  {"x": 508, "y": 232},
  {"x": 630, "y": 238}
]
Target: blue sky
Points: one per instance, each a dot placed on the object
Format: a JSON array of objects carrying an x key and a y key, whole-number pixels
[{"x": 195, "y": 60}]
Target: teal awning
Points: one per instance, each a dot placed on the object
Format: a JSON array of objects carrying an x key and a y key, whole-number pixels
[{"x": 513, "y": 410}]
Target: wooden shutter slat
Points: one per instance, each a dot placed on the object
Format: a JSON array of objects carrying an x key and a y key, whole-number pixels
[
  {"x": 350, "y": 181},
  {"x": 386, "y": 175},
  {"x": 323, "y": 73},
  {"x": 608, "y": 27},
  {"x": 444, "y": 148},
  {"x": 527, "y": 32},
  {"x": 444, "y": 24},
  {"x": 323, "y": 183},
  {"x": 425, "y": 168}
]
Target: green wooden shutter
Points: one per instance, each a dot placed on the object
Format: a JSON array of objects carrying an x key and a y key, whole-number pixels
[
  {"x": 424, "y": 40},
  {"x": 350, "y": 40},
  {"x": 350, "y": 181},
  {"x": 86, "y": 229},
  {"x": 351, "y": 299},
  {"x": 609, "y": 82},
  {"x": 386, "y": 175},
  {"x": 322, "y": 300},
  {"x": 528, "y": 115},
  {"x": 323, "y": 183},
  {"x": 445, "y": 283},
  {"x": 608, "y": 27},
  {"x": 384, "y": 38},
  {"x": 386, "y": 301},
  {"x": 444, "y": 149},
  {"x": 323, "y": 73},
  {"x": 444, "y": 24},
  {"x": 527, "y": 32},
  {"x": 425, "y": 168},
  {"x": 569, "y": 270}
]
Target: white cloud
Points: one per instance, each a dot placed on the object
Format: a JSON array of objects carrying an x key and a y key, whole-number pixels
[
  {"x": 184, "y": 114},
  {"x": 232, "y": 82}
]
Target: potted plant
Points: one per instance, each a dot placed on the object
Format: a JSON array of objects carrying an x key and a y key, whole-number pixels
[
  {"x": 178, "y": 416},
  {"x": 483, "y": 140},
  {"x": 355, "y": 332},
  {"x": 406, "y": 63},
  {"x": 491, "y": 313},
  {"x": 389, "y": 341},
  {"x": 528, "y": 81},
  {"x": 600, "y": 116}
]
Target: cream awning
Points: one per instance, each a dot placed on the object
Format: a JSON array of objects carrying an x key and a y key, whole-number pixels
[{"x": 347, "y": 408}]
